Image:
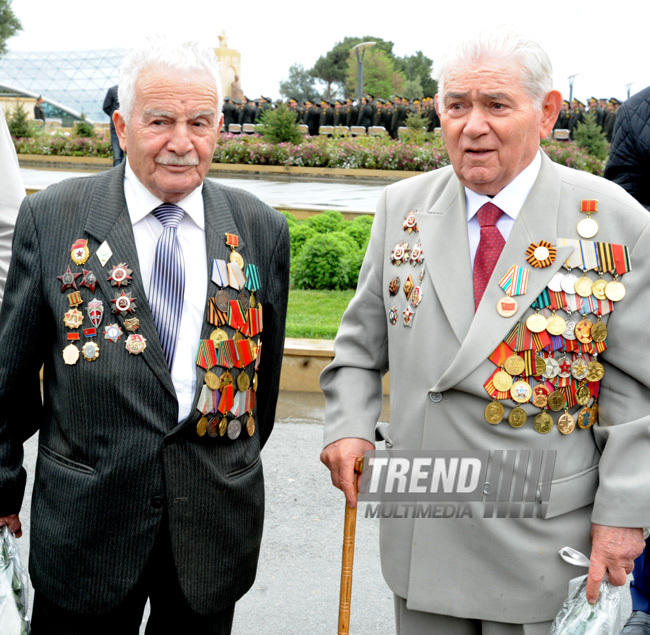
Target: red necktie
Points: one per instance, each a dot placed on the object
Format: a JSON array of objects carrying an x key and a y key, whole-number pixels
[{"x": 489, "y": 248}]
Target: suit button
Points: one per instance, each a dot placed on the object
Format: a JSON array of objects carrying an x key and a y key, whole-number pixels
[
  {"x": 157, "y": 501},
  {"x": 436, "y": 397}
]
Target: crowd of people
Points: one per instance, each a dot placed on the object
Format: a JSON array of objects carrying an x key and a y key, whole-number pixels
[
  {"x": 390, "y": 114},
  {"x": 574, "y": 112}
]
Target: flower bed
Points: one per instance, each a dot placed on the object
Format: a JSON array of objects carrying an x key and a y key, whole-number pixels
[{"x": 376, "y": 153}]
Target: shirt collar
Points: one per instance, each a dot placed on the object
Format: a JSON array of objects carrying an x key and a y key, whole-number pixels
[
  {"x": 512, "y": 197},
  {"x": 140, "y": 201}
]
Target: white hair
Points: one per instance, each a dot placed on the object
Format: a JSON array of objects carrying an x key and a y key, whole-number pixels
[
  {"x": 502, "y": 44},
  {"x": 160, "y": 53}
]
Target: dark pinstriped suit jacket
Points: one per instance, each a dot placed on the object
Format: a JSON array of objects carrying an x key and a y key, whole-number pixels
[{"x": 110, "y": 447}]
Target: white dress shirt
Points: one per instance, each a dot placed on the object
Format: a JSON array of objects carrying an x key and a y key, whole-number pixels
[
  {"x": 12, "y": 192},
  {"x": 191, "y": 235},
  {"x": 510, "y": 200}
]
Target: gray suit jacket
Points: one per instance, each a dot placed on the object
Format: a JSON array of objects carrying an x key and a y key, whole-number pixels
[
  {"x": 112, "y": 456},
  {"x": 505, "y": 570}
]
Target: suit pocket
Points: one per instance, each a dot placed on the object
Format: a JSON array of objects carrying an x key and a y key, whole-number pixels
[
  {"x": 65, "y": 462},
  {"x": 572, "y": 492},
  {"x": 245, "y": 470}
]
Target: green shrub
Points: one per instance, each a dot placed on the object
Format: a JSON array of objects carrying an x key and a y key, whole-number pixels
[
  {"x": 353, "y": 255},
  {"x": 279, "y": 125},
  {"x": 291, "y": 219},
  {"x": 19, "y": 123},
  {"x": 323, "y": 263},
  {"x": 589, "y": 135},
  {"x": 299, "y": 233},
  {"x": 359, "y": 229},
  {"x": 84, "y": 129},
  {"x": 326, "y": 222}
]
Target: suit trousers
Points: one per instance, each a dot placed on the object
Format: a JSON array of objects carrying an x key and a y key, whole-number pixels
[
  {"x": 170, "y": 612},
  {"x": 419, "y": 623}
]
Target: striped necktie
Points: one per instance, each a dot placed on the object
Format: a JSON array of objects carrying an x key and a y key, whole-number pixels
[
  {"x": 168, "y": 279},
  {"x": 489, "y": 248}
]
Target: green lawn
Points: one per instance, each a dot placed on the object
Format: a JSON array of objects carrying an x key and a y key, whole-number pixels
[{"x": 316, "y": 314}]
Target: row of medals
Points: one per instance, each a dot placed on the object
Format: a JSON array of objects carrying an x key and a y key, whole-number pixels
[
  {"x": 214, "y": 424},
  {"x": 584, "y": 331},
  {"x": 122, "y": 304},
  {"x": 402, "y": 254}
]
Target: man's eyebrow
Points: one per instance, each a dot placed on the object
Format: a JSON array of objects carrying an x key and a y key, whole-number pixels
[
  {"x": 154, "y": 112},
  {"x": 491, "y": 96}
]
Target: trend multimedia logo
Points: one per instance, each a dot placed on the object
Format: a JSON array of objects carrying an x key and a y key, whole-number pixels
[{"x": 446, "y": 484}]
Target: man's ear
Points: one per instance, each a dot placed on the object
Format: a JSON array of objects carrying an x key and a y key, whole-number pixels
[
  {"x": 550, "y": 110},
  {"x": 120, "y": 128}
]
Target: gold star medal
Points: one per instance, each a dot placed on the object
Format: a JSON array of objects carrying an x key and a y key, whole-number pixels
[{"x": 79, "y": 251}]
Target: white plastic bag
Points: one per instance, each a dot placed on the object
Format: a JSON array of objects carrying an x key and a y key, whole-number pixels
[
  {"x": 13, "y": 587},
  {"x": 577, "y": 616}
]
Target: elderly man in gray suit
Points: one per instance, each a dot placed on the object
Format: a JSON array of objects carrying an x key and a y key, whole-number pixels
[
  {"x": 141, "y": 290},
  {"x": 493, "y": 344}
]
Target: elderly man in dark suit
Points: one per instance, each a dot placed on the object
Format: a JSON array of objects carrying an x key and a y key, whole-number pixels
[
  {"x": 553, "y": 364},
  {"x": 141, "y": 292}
]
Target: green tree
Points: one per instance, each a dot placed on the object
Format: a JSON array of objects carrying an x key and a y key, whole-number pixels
[
  {"x": 300, "y": 85},
  {"x": 418, "y": 68},
  {"x": 279, "y": 125},
  {"x": 589, "y": 135},
  {"x": 9, "y": 24},
  {"x": 380, "y": 77},
  {"x": 332, "y": 68},
  {"x": 19, "y": 123}
]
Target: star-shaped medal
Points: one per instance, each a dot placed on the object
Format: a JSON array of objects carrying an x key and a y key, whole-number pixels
[
  {"x": 89, "y": 280},
  {"x": 123, "y": 303},
  {"x": 120, "y": 275},
  {"x": 68, "y": 280}
]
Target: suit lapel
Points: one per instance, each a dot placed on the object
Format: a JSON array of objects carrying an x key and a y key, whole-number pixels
[
  {"x": 108, "y": 220},
  {"x": 219, "y": 221},
  {"x": 443, "y": 236},
  {"x": 537, "y": 221}
]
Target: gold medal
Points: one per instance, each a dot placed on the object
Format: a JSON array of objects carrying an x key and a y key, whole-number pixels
[
  {"x": 243, "y": 381},
  {"x": 517, "y": 417},
  {"x": 90, "y": 351},
  {"x": 543, "y": 422},
  {"x": 540, "y": 366},
  {"x": 250, "y": 425},
  {"x": 494, "y": 412},
  {"x": 536, "y": 323},
  {"x": 556, "y": 401},
  {"x": 514, "y": 365},
  {"x": 555, "y": 325},
  {"x": 254, "y": 382},
  {"x": 598, "y": 289},
  {"x": 226, "y": 379},
  {"x": 212, "y": 381},
  {"x": 507, "y": 307},
  {"x": 615, "y": 290},
  {"x": 587, "y": 417},
  {"x": 566, "y": 423},
  {"x": 583, "y": 395},
  {"x": 218, "y": 335},
  {"x": 583, "y": 331},
  {"x": 583, "y": 289},
  {"x": 223, "y": 426},
  {"x": 521, "y": 391},
  {"x": 595, "y": 372},
  {"x": 540, "y": 396},
  {"x": 235, "y": 256},
  {"x": 202, "y": 426},
  {"x": 599, "y": 331},
  {"x": 502, "y": 381}
]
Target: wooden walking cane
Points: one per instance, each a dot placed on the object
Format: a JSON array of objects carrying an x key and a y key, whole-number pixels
[{"x": 349, "y": 530}]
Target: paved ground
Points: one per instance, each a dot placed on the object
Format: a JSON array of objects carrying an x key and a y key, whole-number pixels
[
  {"x": 330, "y": 195},
  {"x": 297, "y": 586}
]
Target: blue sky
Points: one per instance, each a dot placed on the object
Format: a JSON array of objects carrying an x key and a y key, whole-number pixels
[{"x": 603, "y": 43}]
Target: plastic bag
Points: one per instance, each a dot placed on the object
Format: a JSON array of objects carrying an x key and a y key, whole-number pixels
[
  {"x": 577, "y": 616},
  {"x": 13, "y": 587}
]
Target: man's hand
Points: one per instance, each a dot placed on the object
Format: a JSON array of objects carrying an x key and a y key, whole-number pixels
[
  {"x": 340, "y": 457},
  {"x": 13, "y": 522},
  {"x": 613, "y": 551}
]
